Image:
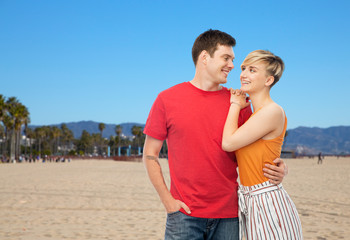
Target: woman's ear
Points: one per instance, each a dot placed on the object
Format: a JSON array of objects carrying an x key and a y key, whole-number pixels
[{"x": 269, "y": 80}]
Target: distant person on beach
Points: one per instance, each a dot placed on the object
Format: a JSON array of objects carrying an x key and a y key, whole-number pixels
[
  {"x": 319, "y": 158},
  {"x": 266, "y": 210},
  {"x": 202, "y": 202}
]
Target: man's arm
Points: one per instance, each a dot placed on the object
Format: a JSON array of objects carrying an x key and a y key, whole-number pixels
[
  {"x": 276, "y": 173},
  {"x": 151, "y": 151}
]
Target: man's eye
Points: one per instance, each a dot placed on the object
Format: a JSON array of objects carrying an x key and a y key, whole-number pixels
[{"x": 252, "y": 70}]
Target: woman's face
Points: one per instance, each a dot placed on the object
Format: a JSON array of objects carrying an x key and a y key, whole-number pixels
[{"x": 253, "y": 77}]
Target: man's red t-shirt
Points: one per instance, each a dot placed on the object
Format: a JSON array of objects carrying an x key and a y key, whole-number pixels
[{"x": 203, "y": 176}]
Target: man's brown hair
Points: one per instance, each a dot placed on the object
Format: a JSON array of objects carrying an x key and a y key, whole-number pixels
[{"x": 209, "y": 41}]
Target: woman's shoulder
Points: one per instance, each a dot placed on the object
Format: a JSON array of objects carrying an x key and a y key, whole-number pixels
[
  {"x": 274, "y": 107},
  {"x": 275, "y": 118},
  {"x": 273, "y": 110}
]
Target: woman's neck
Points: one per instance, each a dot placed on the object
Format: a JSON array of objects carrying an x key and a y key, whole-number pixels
[{"x": 260, "y": 100}]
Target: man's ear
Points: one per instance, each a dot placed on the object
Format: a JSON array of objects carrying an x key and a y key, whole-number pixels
[{"x": 203, "y": 57}]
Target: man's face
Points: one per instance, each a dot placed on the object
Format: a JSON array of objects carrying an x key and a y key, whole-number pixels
[{"x": 219, "y": 66}]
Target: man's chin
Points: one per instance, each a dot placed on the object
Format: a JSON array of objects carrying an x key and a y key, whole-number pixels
[{"x": 223, "y": 81}]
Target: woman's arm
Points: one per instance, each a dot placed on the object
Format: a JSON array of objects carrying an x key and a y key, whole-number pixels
[{"x": 268, "y": 119}]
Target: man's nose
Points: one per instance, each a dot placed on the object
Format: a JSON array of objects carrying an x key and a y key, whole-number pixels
[{"x": 231, "y": 65}]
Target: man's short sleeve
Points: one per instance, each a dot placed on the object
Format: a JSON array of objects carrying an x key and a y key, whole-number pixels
[
  {"x": 244, "y": 115},
  {"x": 156, "y": 124}
]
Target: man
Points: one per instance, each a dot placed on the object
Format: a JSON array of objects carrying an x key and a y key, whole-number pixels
[
  {"x": 202, "y": 202},
  {"x": 320, "y": 157}
]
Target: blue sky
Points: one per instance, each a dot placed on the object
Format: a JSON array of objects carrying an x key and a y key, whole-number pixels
[{"x": 106, "y": 61}]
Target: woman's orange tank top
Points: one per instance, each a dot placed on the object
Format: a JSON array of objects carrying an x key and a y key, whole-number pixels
[{"x": 253, "y": 157}]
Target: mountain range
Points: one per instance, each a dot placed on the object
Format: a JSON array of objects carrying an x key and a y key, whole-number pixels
[
  {"x": 311, "y": 141},
  {"x": 302, "y": 140}
]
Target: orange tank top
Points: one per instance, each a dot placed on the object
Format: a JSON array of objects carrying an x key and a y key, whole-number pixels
[{"x": 253, "y": 157}]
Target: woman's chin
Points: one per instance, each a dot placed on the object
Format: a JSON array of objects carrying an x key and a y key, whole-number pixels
[{"x": 244, "y": 89}]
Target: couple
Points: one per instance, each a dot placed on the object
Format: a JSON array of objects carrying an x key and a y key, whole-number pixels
[{"x": 204, "y": 123}]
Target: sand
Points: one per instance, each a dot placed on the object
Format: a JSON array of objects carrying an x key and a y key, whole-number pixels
[{"x": 98, "y": 199}]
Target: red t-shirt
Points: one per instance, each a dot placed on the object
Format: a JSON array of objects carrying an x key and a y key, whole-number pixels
[{"x": 202, "y": 175}]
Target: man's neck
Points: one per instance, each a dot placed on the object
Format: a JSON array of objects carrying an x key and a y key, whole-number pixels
[{"x": 204, "y": 85}]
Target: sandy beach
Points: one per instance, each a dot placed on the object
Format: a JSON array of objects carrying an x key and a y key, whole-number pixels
[{"x": 99, "y": 199}]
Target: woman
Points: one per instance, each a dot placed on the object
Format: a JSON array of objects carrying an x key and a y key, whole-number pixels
[{"x": 266, "y": 210}]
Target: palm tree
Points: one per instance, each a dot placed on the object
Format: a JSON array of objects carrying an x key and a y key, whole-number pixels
[
  {"x": 137, "y": 132},
  {"x": 84, "y": 144},
  {"x": 45, "y": 140},
  {"x": 26, "y": 122},
  {"x": 13, "y": 115},
  {"x": 118, "y": 131},
  {"x": 2, "y": 137},
  {"x": 8, "y": 123},
  {"x": 21, "y": 118},
  {"x": 39, "y": 135},
  {"x": 2, "y": 106},
  {"x": 2, "y": 113},
  {"x": 67, "y": 137},
  {"x": 56, "y": 134},
  {"x": 30, "y": 134},
  {"x": 101, "y": 127},
  {"x": 12, "y": 106},
  {"x": 96, "y": 141},
  {"x": 111, "y": 144}
]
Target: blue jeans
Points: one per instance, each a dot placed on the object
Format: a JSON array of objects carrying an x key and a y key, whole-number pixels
[{"x": 179, "y": 226}]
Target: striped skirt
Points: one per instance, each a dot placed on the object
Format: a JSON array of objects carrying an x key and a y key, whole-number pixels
[{"x": 267, "y": 212}]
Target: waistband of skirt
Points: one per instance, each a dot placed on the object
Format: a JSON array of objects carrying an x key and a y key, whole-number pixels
[{"x": 259, "y": 188}]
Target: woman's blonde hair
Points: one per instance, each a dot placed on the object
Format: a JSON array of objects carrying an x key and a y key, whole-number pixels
[{"x": 274, "y": 64}]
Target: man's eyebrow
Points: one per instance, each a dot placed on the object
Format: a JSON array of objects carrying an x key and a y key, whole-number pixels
[{"x": 228, "y": 55}]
